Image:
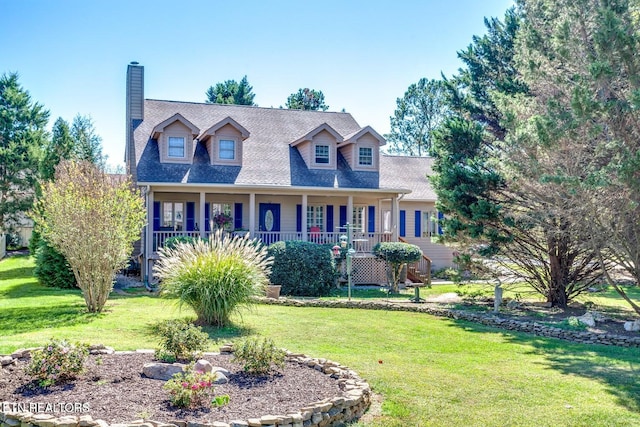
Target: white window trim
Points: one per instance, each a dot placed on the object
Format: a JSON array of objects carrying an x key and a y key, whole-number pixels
[
  {"x": 237, "y": 150},
  {"x": 173, "y": 225},
  {"x": 374, "y": 156},
  {"x": 324, "y": 216},
  {"x": 188, "y": 143},
  {"x": 362, "y": 227}
]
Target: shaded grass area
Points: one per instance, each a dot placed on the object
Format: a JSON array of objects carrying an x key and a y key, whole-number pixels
[{"x": 429, "y": 371}]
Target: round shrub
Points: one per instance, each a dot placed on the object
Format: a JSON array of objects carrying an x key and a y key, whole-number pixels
[
  {"x": 215, "y": 277},
  {"x": 180, "y": 340},
  {"x": 52, "y": 268},
  {"x": 303, "y": 268},
  {"x": 57, "y": 362},
  {"x": 259, "y": 357},
  {"x": 396, "y": 254}
]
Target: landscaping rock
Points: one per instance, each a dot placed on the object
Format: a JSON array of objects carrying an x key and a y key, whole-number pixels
[
  {"x": 203, "y": 366},
  {"x": 162, "y": 371},
  {"x": 220, "y": 378},
  {"x": 587, "y": 319},
  {"x": 633, "y": 326},
  {"x": 513, "y": 304},
  {"x": 6, "y": 360}
]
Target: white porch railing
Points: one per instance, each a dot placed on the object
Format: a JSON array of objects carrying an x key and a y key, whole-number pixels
[
  {"x": 363, "y": 243},
  {"x": 159, "y": 237}
]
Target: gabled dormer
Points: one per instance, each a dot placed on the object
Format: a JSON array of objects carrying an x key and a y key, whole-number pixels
[
  {"x": 224, "y": 142},
  {"x": 175, "y": 137},
  {"x": 361, "y": 149},
  {"x": 318, "y": 147}
]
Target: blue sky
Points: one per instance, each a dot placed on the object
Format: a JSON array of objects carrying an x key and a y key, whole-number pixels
[{"x": 72, "y": 55}]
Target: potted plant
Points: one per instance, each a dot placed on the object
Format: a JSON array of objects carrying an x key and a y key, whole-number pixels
[
  {"x": 273, "y": 291},
  {"x": 222, "y": 220}
]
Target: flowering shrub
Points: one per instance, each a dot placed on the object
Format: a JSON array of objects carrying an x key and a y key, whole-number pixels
[
  {"x": 222, "y": 219},
  {"x": 192, "y": 389},
  {"x": 57, "y": 362},
  {"x": 258, "y": 356}
]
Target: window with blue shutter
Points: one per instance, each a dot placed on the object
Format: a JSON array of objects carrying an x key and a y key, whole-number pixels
[
  {"x": 237, "y": 216},
  {"x": 418, "y": 228},
  {"x": 156, "y": 216},
  {"x": 191, "y": 216},
  {"x": 403, "y": 223},
  {"x": 371, "y": 220},
  {"x": 207, "y": 217},
  {"x": 440, "y": 217},
  {"x": 298, "y": 218},
  {"x": 330, "y": 228},
  {"x": 343, "y": 216}
]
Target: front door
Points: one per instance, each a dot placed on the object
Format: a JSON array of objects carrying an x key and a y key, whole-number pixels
[{"x": 269, "y": 222}]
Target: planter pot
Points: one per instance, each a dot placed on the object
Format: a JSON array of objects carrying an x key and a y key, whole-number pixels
[{"x": 273, "y": 291}]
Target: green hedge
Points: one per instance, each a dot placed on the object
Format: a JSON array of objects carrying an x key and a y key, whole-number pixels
[{"x": 303, "y": 268}]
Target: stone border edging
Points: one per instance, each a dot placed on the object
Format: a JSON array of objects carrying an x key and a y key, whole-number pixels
[
  {"x": 535, "y": 328},
  {"x": 354, "y": 400}
]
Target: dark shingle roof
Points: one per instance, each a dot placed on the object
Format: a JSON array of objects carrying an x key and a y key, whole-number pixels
[{"x": 267, "y": 159}]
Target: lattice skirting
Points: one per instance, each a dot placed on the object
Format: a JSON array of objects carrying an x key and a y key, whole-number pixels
[{"x": 368, "y": 270}]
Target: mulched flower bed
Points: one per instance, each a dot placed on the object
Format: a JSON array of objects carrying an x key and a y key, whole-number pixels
[{"x": 114, "y": 389}]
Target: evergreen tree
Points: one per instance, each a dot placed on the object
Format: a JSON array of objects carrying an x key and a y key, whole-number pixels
[
  {"x": 22, "y": 135},
  {"x": 307, "y": 99},
  {"x": 490, "y": 194},
  {"x": 418, "y": 114},
  {"x": 61, "y": 146},
  {"x": 231, "y": 92},
  {"x": 86, "y": 142}
]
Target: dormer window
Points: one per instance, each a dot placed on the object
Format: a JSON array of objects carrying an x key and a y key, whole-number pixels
[
  {"x": 175, "y": 137},
  {"x": 322, "y": 154},
  {"x": 365, "y": 156},
  {"x": 176, "y": 147},
  {"x": 224, "y": 142},
  {"x": 227, "y": 149}
]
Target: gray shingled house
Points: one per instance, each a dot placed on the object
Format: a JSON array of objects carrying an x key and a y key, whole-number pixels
[{"x": 278, "y": 174}]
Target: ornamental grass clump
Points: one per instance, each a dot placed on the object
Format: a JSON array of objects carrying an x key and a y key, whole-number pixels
[
  {"x": 57, "y": 362},
  {"x": 215, "y": 277}
]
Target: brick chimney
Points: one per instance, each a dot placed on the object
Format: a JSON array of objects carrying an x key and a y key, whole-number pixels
[{"x": 135, "y": 112}]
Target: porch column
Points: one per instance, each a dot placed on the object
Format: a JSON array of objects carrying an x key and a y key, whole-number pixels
[
  {"x": 202, "y": 215},
  {"x": 303, "y": 218},
  {"x": 395, "y": 218},
  {"x": 252, "y": 214},
  {"x": 148, "y": 244},
  {"x": 350, "y": 210}
]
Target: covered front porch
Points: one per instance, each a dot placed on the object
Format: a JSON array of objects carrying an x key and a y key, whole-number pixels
[{"x": 308, "y": 214}]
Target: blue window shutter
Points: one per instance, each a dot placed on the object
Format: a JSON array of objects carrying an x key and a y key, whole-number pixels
[
  {"x": 440, "y": 217},
  {"x": 343, "y": 216},
  {"x": 371, "y": 219},
  {"x": 207, "y": 217},
  {"x": 156, "y": 216},
  {"x": 237, "y": 215},
  {"x": 417, "y": 224},
  {"x": 191, "y": 216},
  {"x": 403, "y": 223},
  {"x": 330, "y": 219},
  {"x": 298, "y": 218}
]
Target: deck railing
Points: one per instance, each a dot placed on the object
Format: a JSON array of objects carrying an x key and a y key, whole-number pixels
[
  {"x": 363, "y": 243},
  {"x": 419, "y": 271}
]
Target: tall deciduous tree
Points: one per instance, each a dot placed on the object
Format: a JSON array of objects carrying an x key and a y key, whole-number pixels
[
  {"x": 579, "y": 58},
  {"x": 307, "y": 99},
  {"x": 231, "y": 92},
  {"x": 417, "y": 115},
  {"x": 93, "y": 221},
  {"x": 22, "y": 134}
]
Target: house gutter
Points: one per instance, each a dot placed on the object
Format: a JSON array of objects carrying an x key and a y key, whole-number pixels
[{"x": 265, "y": 188}]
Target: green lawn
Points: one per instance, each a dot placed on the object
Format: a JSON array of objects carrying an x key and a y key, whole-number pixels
[{"x": 434, "y": 371}]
